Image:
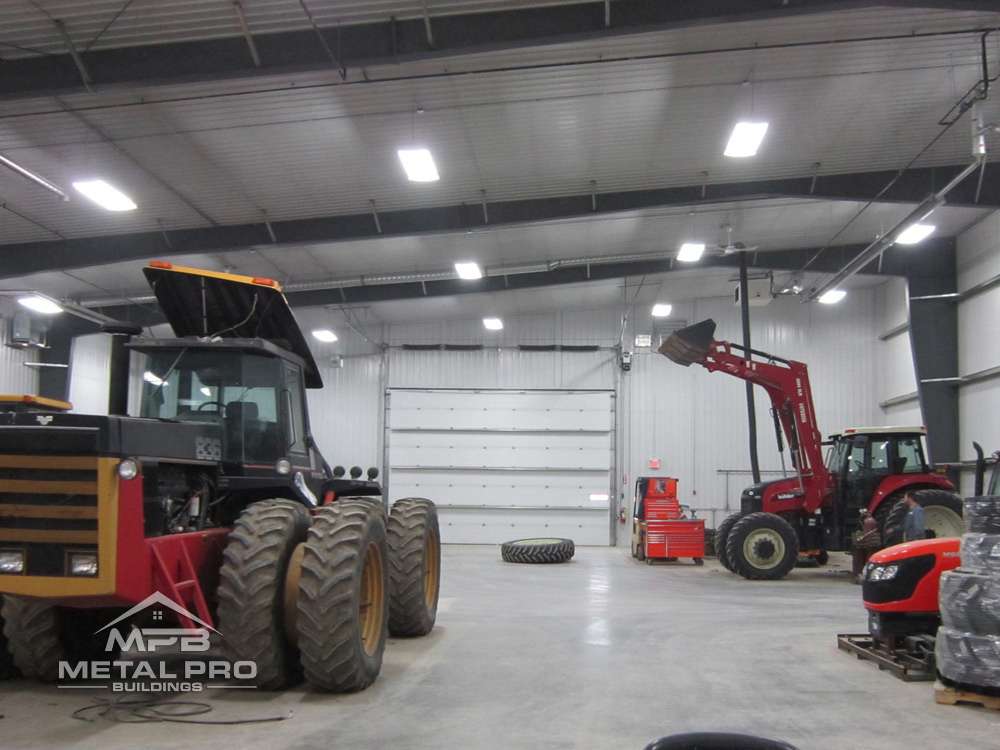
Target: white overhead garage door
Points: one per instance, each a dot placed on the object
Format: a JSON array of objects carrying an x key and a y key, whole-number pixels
[{"x": 505, "y": 464}]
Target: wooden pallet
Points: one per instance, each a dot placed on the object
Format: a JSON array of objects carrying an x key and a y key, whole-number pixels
[{"x": 950, "y": 696}]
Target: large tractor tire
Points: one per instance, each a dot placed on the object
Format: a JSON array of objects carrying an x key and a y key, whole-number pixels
[
  {"x": 721, "y": 537},
  {"x": 40, "y": 635},
  {"x": 257, "y": 563},
  {"x": 942, "y": 515},
  {"x": 538, "y": 551},
  {"x": 7, "y": 668},
  {"x": 414, "y": 566},
  {"x": 343, "y": 597},
  {"x": 762, "y": 546},
  {"x": 970, "y": 602}
]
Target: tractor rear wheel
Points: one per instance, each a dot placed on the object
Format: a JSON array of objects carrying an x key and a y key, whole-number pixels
[
  {"x": 942, "y": 515},
  {"x": 343, "y": 597},
  {"x": 762, "y": 546},
  {"x": 40, "y": 635},
  {"x": 256, "y": 563},
  {"x": 414, "y": 566},
  {"x": 721, "y": 536},
  {"x": 7, "y": 668}
]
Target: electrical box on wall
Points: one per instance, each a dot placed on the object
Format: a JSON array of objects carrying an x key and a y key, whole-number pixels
[
  {"x": 758, "y": 292},
  {"x": 26, "y": 332}
]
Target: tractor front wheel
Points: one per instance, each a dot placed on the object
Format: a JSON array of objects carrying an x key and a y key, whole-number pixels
[
  {"x": 721, "y": 537},
  {"x": 414, "y": 566},
  {"x": 40, "y": 635},
  {"x": 343, "y": 597},
  {"x": 762, "y": 546},
  {"x": 260, "y": 553}
]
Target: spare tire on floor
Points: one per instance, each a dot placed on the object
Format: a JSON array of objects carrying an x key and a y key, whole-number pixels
[{"x": 538, "y": 550}]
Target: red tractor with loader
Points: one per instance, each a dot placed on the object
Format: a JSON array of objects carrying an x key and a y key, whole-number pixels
[
  {"x": 215, "y": 497},
  {"x": 817, "y": 509}
]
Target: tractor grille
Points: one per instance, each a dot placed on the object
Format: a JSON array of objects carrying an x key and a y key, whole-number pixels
[{"x": 48, "y": 508}]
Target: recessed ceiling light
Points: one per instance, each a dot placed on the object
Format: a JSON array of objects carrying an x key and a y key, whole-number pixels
[
  {"x": 39, "y": 304},
  {"x": 325, "y": 335},
  {"x": 599, "y": 497},
  {"x": 468, "y": 271},
  {"x": 153, "y": 379},
  {"x": 105, "y": 195},
  {"x": 745, "y": 139},
  {"x": 691, "y": 252},
  {"x": 493, "y": 324},
  {"x": 915, "y": 233},
  {"x": 662, "y": 310},
  {"x": 832, "y": 297},
  {"x": 418, "y": 164}
]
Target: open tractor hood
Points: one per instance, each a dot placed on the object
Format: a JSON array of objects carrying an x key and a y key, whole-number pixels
[{"x": 210, "y": 304}]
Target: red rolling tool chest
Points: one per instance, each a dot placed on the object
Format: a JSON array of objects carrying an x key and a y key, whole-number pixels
[{"x": 660, "y": 529}]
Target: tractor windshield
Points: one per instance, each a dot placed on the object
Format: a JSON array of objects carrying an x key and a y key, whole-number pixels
[{"x": 245, "y": 393}]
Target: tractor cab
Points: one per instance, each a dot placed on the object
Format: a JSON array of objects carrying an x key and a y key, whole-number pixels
[{"x": 861, "y": 459}]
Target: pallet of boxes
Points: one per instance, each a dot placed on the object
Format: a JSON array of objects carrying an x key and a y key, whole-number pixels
[{"x": 968, "y": 642}]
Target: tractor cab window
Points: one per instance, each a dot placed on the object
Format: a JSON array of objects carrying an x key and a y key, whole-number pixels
[
  {"x": 909, "y": 456},
  {"x": 293, "y": 397},
  {"x": 880, "y": 456},
  {"x": 837, "y": 456},
  {"x": 238, "y": 391},
  {"x": 856, "y": 456}
]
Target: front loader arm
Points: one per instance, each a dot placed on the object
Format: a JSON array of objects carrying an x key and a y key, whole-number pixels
[{"x": 786, "y": 383}]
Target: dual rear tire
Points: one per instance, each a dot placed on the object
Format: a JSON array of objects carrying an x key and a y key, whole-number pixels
[{"x": 317, "y": 596}]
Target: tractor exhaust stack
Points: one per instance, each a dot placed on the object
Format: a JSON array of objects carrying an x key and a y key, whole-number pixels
[{"x": 690, "y": 345}]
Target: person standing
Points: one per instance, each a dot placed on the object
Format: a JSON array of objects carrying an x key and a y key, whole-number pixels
[
  {"x": 913, "y": 526},
  {"x": 867, "y": 541}
]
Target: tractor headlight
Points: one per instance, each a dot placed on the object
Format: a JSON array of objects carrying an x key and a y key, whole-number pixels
[
  {"x": 128, "y": 468},
  {"x": 283, "y": 466},
  {"x": 883, "y": 572},
  {"x": 82, "y": 564},
  {"x": 11, "y": 562}
]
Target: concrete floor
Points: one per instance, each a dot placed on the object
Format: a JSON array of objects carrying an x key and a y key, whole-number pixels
[{"x": 601, "y": 653}]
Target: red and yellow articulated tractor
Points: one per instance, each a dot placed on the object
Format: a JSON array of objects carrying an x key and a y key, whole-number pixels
[
  {"x": 215, "y": 496},
  {"x": 817, "y": 509}
]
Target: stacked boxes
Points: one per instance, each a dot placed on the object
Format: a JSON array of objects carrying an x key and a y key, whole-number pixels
[{"x": 968, "y": 643}]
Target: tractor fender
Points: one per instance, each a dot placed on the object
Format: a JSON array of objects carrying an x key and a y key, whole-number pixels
[{"x": 900, "y": 484}]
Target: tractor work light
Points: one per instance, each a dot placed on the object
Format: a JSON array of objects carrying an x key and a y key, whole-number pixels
[
  {"x": 128, "y": 469},
  {"x": 11, "y": 562},
  {"x": 82, "y": 564},
  {"x": 283, "y": 466}
]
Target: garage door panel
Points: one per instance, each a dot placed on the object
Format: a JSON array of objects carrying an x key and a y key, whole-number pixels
[
  {"x": 582, "y": 459},
  {"x": 495, "y": 527},
  {"x": 505, "y": 488},
  {"x": 505, "y": 462}
]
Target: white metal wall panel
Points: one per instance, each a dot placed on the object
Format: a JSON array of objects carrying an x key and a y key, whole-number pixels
[
  {"x": 515, "y": 463},
  {"x": 14, "y": 376},
  {"x": 979, "y": 337},
  {"x": 89, "y": 364}
]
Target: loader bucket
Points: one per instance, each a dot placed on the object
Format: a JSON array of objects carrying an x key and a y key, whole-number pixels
[{"x": 689, "y": 345}]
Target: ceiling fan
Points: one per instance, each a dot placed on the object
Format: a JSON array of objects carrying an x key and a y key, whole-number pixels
[{"x": 731, "y": 247}]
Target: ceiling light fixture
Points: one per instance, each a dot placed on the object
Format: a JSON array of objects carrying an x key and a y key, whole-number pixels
[
  {"x": 493, "y": 324},
  {"x": 746, "y": 139},
  {"x": 325, "y": 335},
  {"x": 105, "y": 195},
  {"x": 691, "y": 252},
  {"x": 915, "y": 233},
  {"x": 153, "y": 379},
  {"x": 468, "y": 270},
  {"x": 662, "y": 310},
  {"x": 40, "y": 304},
  {"x": 418, "y": 164},
  {"x": 832, "y": 297}
]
